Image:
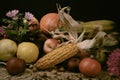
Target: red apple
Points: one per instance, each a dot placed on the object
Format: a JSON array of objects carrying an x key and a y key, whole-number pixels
[{"x": 50, "y": 44}]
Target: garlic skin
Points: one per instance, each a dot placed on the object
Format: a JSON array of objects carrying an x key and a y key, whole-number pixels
[
  {"x": 86, "y": 44},
  {"x": 96, "y": 41},
  {"x": 70, "y": 24}
]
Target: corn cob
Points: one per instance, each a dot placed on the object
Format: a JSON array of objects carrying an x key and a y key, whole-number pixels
[
  {"x": 57, "y": 56},
  {"x": 107, "y": 25}
]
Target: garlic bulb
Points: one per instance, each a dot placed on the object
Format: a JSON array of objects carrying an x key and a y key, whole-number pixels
[
  {"x": 86, "y": 44},
  {"x": 90, "y": 43}
]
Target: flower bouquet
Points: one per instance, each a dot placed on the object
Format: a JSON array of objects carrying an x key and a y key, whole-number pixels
[{"x": 20, "y": 27}]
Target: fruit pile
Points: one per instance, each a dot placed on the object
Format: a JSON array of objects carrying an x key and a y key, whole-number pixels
[{"x": 59, "y": 42}]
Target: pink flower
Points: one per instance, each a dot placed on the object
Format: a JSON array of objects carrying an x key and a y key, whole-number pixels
[
  {"x": 2, "y": 33},
  {"x": 113, "y": 62},
  {"x": 29, "y": 16},
  {"x": 13, "y": 14}
]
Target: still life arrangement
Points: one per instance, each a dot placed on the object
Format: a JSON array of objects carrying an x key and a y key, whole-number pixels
[{"x": 58, "y": 43}]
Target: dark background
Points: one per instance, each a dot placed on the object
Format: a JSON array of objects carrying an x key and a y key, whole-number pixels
[{"x": 83, "y": 10}]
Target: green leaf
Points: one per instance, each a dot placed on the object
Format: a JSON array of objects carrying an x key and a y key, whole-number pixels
[
  {"x": 13, "y": 32},
  {"x": 6, "y": 21}
]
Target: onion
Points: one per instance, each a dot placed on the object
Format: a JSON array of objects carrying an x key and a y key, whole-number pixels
[
  {"x": 49, "y": 22},
  {"x": 73, "y": 64},
  {"x": 15, "y": 66},
  {"x": 90, "y": 67}
]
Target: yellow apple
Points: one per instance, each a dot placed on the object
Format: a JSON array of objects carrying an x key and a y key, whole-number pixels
[
  {"x": 8, "y": 49},
  {"x": 28, "y": 51}
]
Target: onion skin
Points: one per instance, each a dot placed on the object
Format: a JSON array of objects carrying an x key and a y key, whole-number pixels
[
  {"x": 49, "y": 22},
  {"x": 90, "y": 67}
]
